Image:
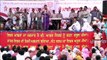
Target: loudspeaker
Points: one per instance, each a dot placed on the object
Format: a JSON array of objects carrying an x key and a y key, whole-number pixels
[{"x": 105, "y": 7}]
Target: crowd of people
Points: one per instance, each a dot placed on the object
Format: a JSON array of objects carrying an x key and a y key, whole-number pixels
[
  {"x": 45, "y": 19},
  {"x": 43, "y": 53}
]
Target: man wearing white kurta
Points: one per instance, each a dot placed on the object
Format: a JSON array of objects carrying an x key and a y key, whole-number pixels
[
  {"x": 33, "y": 18},
  {"x": 39, "y": 19},
  {"x": 59, "y": 15},
  {"x": 97, "y": 23},
  {"x": 85, "y": 25},
  {"x": 75, "y": 27},
  {"x": 54, "y": 22},
  {"x": 86, "y": 14}
]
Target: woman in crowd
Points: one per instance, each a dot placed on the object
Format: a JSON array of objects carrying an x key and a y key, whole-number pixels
[{"x": 85, "y": 52}]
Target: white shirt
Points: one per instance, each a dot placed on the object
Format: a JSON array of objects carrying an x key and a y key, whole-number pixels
[
  {"x": 11, "y": 52},
  {"x": 26, "y": 54},
  {"x": 59, "y": 15},
  {"x": 39, "y": 14},
  {"x": 102, "y": 24},
  {"x": 53, "y": 15},
  {"x": 86, "y": 27},
  {"x": 2, "y": 53},
  {"x": 20, "y": 57},
  {"x": 14, "y": 19},
  {"x": 86, "y": 14},
  {"x": 97, "y": 36},
  {"x": 72, "y": 15},
  {"x": 25, "y": 15},
  {"x": 32, "y": 15},
  {"x": 99, "y": 24},
  {"x": 17, "y": 13},
  {"x": 10, "y": 15},
  {"x": 75, "y": 26}
]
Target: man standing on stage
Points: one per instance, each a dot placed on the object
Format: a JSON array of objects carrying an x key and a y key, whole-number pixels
[
  {"x": 16, "y": 17},
  {"x": 33, "y": 18},
  {"x": 54, "y": 22},
  {"x": 72, "y": 15},
  {"x": 80, "y": 15},
  {"x": 59, "y": 15},
  {"x": 10, "y": 13},
  {"x": 86, "y": 14},
  {"x": 25, "y": 18},
  {"x": 17, "y": 13},
  {"x": 96, "y": 13},
  {"x": 46, "y": 15},
  {"x": 39, "y": 19}
]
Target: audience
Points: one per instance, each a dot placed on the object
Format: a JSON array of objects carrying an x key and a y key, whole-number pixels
[{"x": 24, "y": 53}]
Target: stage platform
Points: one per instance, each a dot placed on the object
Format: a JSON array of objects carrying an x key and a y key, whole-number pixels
[{"x": 51, "y": 38}]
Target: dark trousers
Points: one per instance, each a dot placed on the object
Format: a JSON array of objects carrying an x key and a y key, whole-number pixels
[
  {"x": 56, "y": 24},
  {"x": 39, "y": 24},
  {"x": 33, "y": 24},
  {"x": 25, "y": 26}
]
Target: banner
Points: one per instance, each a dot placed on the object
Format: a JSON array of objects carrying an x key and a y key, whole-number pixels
[
  {"x": 49, "y": 38},
  {"x": 65, "y": 6}
]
